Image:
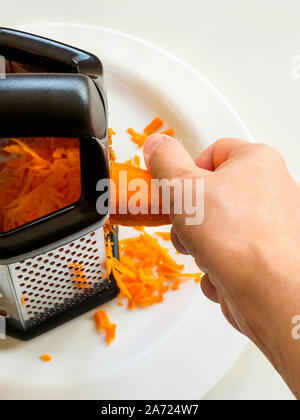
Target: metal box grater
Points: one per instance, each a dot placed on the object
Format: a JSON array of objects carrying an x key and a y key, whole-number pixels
[{"x": 58, "y": 92}]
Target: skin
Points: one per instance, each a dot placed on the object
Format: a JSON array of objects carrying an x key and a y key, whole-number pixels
[{"x": 249, "y": 242}]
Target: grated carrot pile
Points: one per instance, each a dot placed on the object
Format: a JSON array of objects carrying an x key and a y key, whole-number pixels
[
  {"x": 145, "y": 271},
  {"x": 38, "y": 176},
  {"x": 104, "y": 325}
]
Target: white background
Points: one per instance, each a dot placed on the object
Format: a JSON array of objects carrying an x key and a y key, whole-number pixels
[{"x": 245, "y": 48}]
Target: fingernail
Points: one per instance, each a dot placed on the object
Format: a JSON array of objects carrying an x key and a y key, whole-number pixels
[{"x": 151, "y": 143}]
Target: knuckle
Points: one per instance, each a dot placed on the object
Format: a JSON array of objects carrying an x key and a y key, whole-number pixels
[{"x": 268, "y": 151}]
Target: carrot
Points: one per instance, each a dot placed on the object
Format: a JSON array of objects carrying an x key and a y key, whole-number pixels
[
  {"x": 166, "y": 236},
  {"x": 145, "y": 270},
  {"x": 137, "y": 138},
  {"x": 153, "y": 126},
  {"x": 136, "y": 161},
  {"x": 128, "y": 219},
  {"x": 103, "y": 324},
  {"x": 170, "y": 132},
  {"x": 38, "y": 177},
  {"x": 46, "y": 358},
  {"x": 112, "y": 154}
]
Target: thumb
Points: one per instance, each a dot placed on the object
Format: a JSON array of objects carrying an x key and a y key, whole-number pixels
[{"x": 166, "y": 158}]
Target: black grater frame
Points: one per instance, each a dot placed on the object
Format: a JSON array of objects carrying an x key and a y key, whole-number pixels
[{"x": 72, "y": 80}]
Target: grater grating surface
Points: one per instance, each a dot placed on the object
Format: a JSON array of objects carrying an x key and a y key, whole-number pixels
[{"x": 47, "y": 284}]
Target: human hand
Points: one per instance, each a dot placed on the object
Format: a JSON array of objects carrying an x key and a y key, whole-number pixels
[{"x": 249, "y": 242}]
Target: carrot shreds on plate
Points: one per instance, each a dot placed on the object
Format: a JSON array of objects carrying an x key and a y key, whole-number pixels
[
  {"x": 169, "y": 132},
  {"x": 112, "y": 154},
  {"x": 140, "y": 139},
  {"x": 136, "y": 161},
  {"x": 38, "y": 176},
  {"x": 137, "y": 138},
  {"x": 166, "y": 236},
  {"x": 46, "y": 358},
  {"x": 139, "y": 228},
  {"x": 145, "y": 270},
  {"x": 153, "y": 126},
  {"x": 103, "y": 324}
]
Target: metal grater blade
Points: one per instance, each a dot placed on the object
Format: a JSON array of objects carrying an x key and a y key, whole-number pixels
[{"x": 48, "y": 284}]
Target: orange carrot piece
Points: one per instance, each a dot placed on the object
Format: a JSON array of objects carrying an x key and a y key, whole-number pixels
[
  {"x": 169, "y": 132},
  {"x": 198, "y": 278},
  {"x": 166, "y": 236},
  {"x": 46, "y": 358},
  {"x": 153, "y": 126},
  {"x": 111, "y": 133},
  {"x": 117, "y": 218},
  {"x": 103, "y": 324},
  {"x": 175, "y": 285},
  {"x": 137, "y": 138}
]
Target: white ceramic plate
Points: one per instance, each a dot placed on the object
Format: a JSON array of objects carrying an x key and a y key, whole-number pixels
[{"x": 177, "y": 350}]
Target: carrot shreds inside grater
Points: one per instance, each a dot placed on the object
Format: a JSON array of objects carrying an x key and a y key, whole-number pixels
[{"x": 38, "y": 176}]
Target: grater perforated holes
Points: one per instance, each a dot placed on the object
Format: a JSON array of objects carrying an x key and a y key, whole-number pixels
[{"x": 49, "y": 283}]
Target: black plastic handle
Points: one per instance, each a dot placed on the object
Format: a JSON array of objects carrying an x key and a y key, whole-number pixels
[
  {"x": 54, "y": 56},
  {"x": 51, "y": 105}
]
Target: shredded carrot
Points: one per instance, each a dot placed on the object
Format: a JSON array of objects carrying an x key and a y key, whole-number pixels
[
  {"x": 120, "y": 303},
  {"x": 112, "y": 154},
  {"x": 46, "y": 358},
  {"x": 145, "y": 270},
  {"x": 140, "y": 139},
  {"x": 166, "y": 236},
  {"x": 104, "y": 325},
  {"x": 38, "y": 176},
  {"x": 136, "y": 162},
  {"x": 111, "y": 133},
  {"x": 137, "y": 138},
  {"x": 153, "y": 126},
  {"x": 175, "y": 285},
  {"x": 139, "y": 228},
  {"x": 23, "y": 300},
  {"x": 198, "y": 278},
  {"x": 170, "y": 132}
]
